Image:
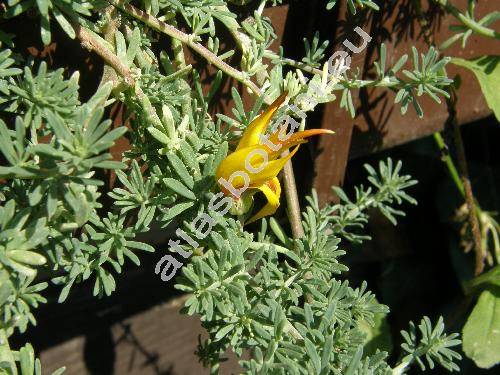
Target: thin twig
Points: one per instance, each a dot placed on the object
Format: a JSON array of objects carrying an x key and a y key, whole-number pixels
[
  {"x": 446, "y": 157},
  {"x": 464, "y": 176},
  {"x": 341, "y": 79},
  {"x": 468, "y": 20},
  {"x": 293, "y": 205},
  {"x": 188, "y": 40},
  {"x": 91, "y": 43},
  {"x": 296, "y": 64},
  {"x": 292, "y": 199},
  {"x": 178, "y": 50},
  {"x": 109, "y": 73}
]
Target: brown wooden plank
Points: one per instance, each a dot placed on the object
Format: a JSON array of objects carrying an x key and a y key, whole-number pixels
[{"x": 156, "y": 341}]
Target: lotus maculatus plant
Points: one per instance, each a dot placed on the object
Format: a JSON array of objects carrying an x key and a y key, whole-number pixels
[
  {"x": 258, "y": 159},
  {"x": 88, "y": 177}
]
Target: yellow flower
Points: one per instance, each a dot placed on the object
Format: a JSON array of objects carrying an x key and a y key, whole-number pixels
[{"x": 254, "y": 166}]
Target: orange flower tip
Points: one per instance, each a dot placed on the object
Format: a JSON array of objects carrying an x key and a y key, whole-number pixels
[{"x": 312, "y": 132}]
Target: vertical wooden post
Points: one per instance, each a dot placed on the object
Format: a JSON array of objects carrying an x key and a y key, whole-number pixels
[{"x": 332, "y": 163}]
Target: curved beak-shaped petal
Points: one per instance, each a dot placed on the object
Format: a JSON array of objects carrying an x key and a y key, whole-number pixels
[
  {"x": 235, "y": 162},
  {"x": 294, "y": 139},
  {"x": 270, "y": 170},
  {"x": 256, "y": 166},
  {"x": 258, "y": 126},
  {"x": 272, "y": 191}
]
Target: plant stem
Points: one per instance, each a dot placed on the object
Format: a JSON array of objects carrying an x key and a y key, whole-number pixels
[
  {"x": 292, "y": 199},
  {"x": 92, "y": 43},
  {"x": 469, "y": 199},
  {"x": 446, "y": 157},
  {"x": 452, "y": 170},
  {"x": 187, "y": 40},
  {"x": 468, "y": 21},
  {"x": 294, "y": 63},
  {"x": 400, "y": 369},
  {"x": 341, "y": 80},
  {"x": 109, "y": 74},
  {"x": 466, "y": 184},
  {"x": 178, "y": 50}
]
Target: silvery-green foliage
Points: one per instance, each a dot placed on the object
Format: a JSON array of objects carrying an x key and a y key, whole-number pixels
[
  {"x": 250, "y": 292},
  {"x": 428, "y": 77},
  {"x": 315, "y": 52},
  {"x": 282, "y": 300},
  {"x": 387, "y": 187},
  {"x": 50, "y": 194},
  {"x": 433, "y": 345},
  {"x": 353, "y": 5},
  {"x": 42, "y": 94},
  {"x": 468, "y": 23},
  {"x": 7, "y": 70}
]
